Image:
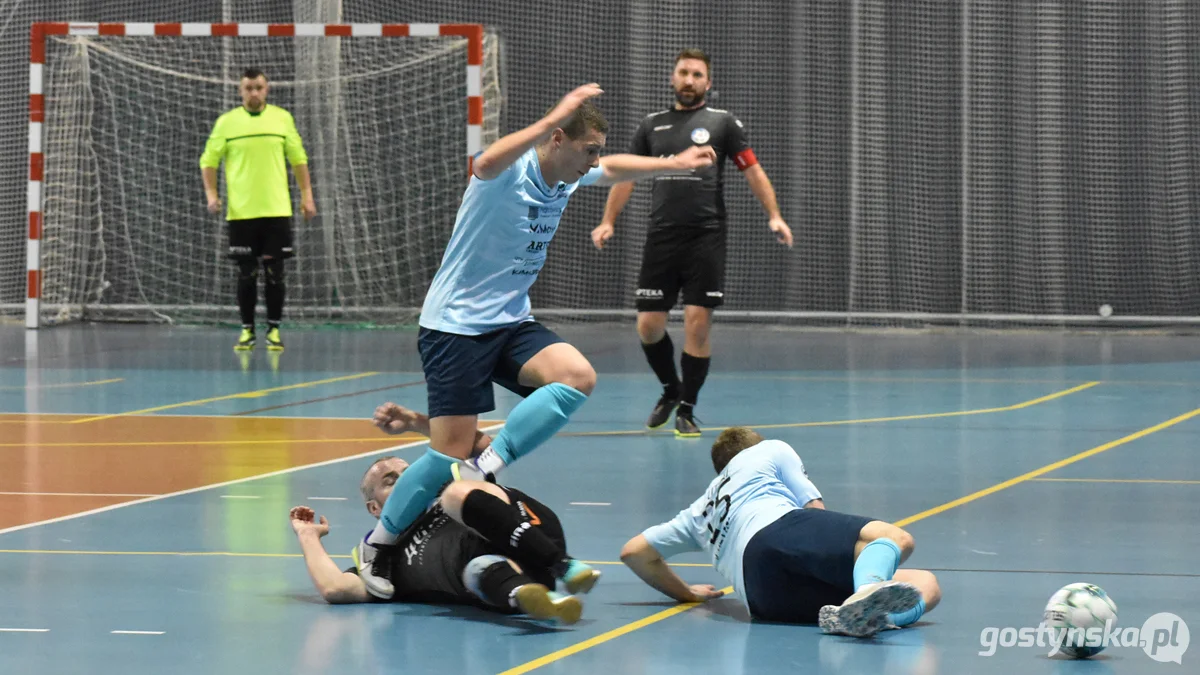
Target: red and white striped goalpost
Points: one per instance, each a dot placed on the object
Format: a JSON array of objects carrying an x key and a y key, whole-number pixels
[{"x": 473, "y": 33}]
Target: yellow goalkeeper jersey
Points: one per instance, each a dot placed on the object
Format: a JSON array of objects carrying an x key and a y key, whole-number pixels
[{"x": 254, "y": 147}]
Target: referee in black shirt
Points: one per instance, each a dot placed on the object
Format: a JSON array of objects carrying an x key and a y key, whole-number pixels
[{"x": 685, "y": 247}]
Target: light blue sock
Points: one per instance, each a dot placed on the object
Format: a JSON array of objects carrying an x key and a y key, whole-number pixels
[
  {"x": 877, "y": 562},
  {"x": 536, "y": 419},
  {"x": 905, "y": 618},
  {"x": 412, "y": 494}
]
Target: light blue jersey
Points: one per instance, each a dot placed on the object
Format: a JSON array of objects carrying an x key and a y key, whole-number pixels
[
  {"x": 497, "y": 249},
  {"x": 758, "y": 486}
]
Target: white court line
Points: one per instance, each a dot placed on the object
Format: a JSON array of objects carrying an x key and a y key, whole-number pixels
[
  {"x": 75, "y": 494},
  {"x": 24, "y": 630},
  {"x": 328, "y": 499},
  {"x": 240, "y": 497},
  {"x": 103, "y": 509},
  {"x": 591, "y": 503},
  {"x": 137, "y": 632}
]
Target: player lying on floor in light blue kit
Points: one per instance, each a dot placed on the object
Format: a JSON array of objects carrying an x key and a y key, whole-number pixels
[{"x": 789, "y": 559}]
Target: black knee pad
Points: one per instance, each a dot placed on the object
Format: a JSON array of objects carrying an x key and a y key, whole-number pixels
[
  {"x": 274, "y": 271},
  {"x": 247, "y": 269}
]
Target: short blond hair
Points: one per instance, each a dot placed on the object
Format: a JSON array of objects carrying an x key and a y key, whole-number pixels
[{"x": 732, "y": 441}]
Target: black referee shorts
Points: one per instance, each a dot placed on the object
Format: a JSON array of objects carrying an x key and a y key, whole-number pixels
[
  {"x": 257, "y": 237},
  {"x": 682, "y": 258}
]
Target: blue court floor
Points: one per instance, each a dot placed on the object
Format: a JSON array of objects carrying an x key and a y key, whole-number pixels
[{"x": 1020, "y": 462}]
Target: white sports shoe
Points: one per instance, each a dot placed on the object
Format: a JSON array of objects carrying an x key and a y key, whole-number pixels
[
  {"x": 366, "y": 556},
  {"x": 865, "y": 613},
  {"x": 467, "y": 470}
]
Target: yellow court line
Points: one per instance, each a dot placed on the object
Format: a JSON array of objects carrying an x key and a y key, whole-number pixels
[
  {"x": 1048, "y": 468},
  {"x": 600, "y": 639},
  {"x": 943, "y": 380},
  {"x": 679, "y": 609},
  {"x": 960, "y": 413},
  {"x": 1115, "y": 480},
  {"x": 245, "y": 394},
  {"x": 875, "y": 420},
  {"x": 892, "y": 380},
  {"x": 64, "y": 385}
]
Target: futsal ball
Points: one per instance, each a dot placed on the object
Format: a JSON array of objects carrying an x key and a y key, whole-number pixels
[
  {"x": 1076, "y": 617},
  {"x": 1106, "y": 310}
]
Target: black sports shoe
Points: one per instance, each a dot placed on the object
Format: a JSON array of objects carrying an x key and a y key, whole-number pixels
[
  {"x": 662, "y": 411},
  {"x": 685, "y": 424}
]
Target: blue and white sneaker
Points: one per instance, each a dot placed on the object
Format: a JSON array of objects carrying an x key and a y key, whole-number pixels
[
  {"x": 579, "y": 577},
  {"x": 866, "y": 612}
]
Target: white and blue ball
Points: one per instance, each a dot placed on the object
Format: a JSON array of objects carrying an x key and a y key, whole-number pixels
[{"x": 1074, "y": 610}]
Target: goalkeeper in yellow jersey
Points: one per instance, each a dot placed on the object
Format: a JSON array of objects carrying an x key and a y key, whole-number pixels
[{"x": 255, "y": 140}]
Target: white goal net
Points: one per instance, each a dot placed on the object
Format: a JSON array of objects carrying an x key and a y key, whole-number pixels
[{"x": 384, "y": 122}]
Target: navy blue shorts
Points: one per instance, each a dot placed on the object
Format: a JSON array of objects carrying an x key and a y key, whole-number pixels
[
  {"x": 460, "y": 369},
  {"x": 800, "y": 563}
]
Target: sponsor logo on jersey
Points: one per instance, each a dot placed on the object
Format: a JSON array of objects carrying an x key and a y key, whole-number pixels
[
  {"x": 663, "y": 127},
  {"x": 536, "y": 211},
  {"x": 416, "y": 545}
]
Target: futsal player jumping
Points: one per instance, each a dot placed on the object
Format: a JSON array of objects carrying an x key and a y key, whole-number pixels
[{"x": 477, "y": 325}]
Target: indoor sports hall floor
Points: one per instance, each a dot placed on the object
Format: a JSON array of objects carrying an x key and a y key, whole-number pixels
[{"x": 146, "y": 474}]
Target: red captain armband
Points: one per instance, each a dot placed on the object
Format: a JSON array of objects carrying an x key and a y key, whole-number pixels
[{"x": 745, "y": 159}]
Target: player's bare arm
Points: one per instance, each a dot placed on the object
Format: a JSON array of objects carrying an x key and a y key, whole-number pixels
[
  {"x": 761, "y": 186},
  {"x": 649, "y": 565},
  {"x": 396, "y": 419},
  {"x": 335, "y": 586},
  {"x": 618, "y": 197},
  {"x": 304, "y": 179},
  {"x": 621, "y": 168},
  {"x": 505, "y": 151},
  {"x": 210, "y": 189}
]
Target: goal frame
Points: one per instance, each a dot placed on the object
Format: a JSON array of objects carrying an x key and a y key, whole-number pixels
[{"x": 39, "y": 32}]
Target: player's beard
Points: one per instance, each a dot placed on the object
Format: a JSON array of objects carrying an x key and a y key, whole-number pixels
[{"x": 689, "y": 99}]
